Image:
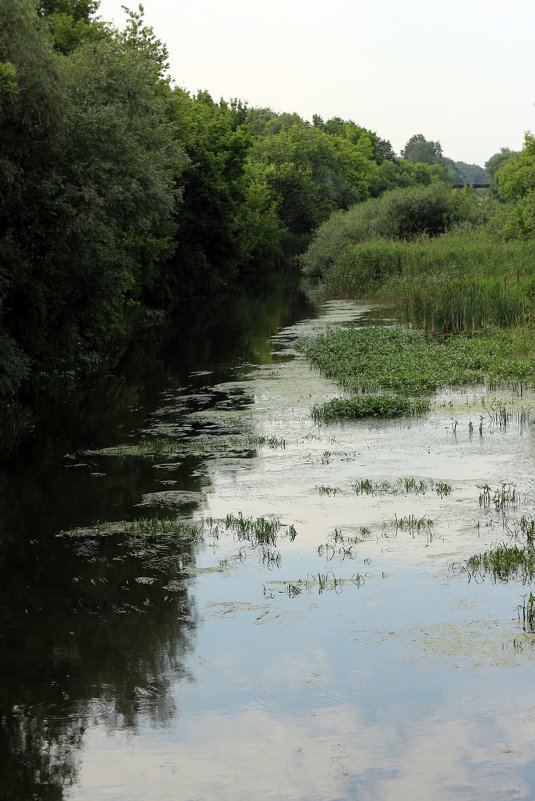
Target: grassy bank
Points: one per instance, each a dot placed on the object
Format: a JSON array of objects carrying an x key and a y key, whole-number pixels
[{"x": 448, "y": 284}]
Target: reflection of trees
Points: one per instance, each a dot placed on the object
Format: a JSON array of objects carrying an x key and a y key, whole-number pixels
[
  {"x": 95, "y": 647},
  {"x": 81, "y": 641}
]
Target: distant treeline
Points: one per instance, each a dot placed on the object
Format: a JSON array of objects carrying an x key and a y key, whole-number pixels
[{"x": 120, "y": 193}]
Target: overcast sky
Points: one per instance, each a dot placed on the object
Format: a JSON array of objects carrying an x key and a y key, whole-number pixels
[{"x": 460, "y": 71}]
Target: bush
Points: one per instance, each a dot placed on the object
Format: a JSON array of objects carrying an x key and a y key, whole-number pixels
[{"x": 398, "y": 214}]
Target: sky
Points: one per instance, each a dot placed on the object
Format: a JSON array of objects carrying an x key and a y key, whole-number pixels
[{"x": 458, "y": 71}]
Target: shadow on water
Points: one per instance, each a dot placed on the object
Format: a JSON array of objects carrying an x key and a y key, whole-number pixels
[{"x": 96, "y": 631}]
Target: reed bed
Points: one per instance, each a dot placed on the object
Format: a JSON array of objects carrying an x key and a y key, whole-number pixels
[{"x": 454, "y": 283}]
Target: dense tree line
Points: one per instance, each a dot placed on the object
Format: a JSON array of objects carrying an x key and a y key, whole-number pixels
[{"x": 120, "y": 192}]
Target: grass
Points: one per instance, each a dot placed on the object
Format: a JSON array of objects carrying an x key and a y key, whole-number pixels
[
  {"x": 528, "y": 613},
  {"x": 457, "y": 282},
  {"x": 407, "y": 486},
  {"x": 514, "y": 560},
  {"x": 503, "y": 563},
  {"x": 412, "y": 524},
  {"x": 369, "y": 406},
  {"x": 407, "y": 362},
  {"x": 501, "y": 498}
]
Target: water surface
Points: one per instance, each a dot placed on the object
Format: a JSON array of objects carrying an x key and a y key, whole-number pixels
[{"x": 348, "y": 662}]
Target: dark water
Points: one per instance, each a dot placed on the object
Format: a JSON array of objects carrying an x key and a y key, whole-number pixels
[{"x": 80, "y": 641}]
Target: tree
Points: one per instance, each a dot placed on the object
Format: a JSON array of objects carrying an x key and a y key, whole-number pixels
[
  {"x": 88, "y": 165},
  {"x": 208, "y": 239},
  {"x": 71, "y": 22},
  {"x": 420, "y": 149},
  {"x": 494, "y": 165},
  {"x": 515, "y": 176}
]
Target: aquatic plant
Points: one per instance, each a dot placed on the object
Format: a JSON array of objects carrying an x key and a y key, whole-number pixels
[
  {"x": 406, "y": 362},
  {"x": 326, "y": 490},
  {"x": 528, "y": 613},
  {"x": 502, "y": 563},
  {"x": 268, "y": 442},
  {"x": 408, "y": 486},
  {"x": 319, "y": 582},
  {"x": 368, "y": 406},
  {"x": 412, "y": 523},
  {"x": 501, "y": 497},
  {"x": 457, "y": 282}
]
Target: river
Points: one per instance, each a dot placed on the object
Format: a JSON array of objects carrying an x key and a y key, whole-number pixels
[{"x": 330, "y": 651}]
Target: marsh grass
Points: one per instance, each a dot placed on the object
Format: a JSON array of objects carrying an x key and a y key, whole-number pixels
[
  {"x": 457, "y": 282},
  {"x": 513, "y": 560},
  {"x": 501, "y": 498},
  {"x": 145, "y": 527},
  {"x": 446, "y": 305},
  {"x": 323, "y": 489},
  {"x": 503, "y": 563},
  {"x": 413, "y": 524},
  {"x": 403, "y": 486},
  {"x": 501, "y": 414},
  {"x": 343, "y": 546}
]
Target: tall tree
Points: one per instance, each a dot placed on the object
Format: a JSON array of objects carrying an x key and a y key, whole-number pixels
[{"x": 420, "y": 149}]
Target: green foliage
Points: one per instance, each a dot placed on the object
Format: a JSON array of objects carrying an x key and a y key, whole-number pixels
[
  {"x": 87, "y": 164},
  {"x": 420, "y": 149},
  {"x": 407, "y": 362},
  {"x": 447, "y": 284},
  {"x": 8, "y": 79},
  {"x": 71, "y": 22},
  {"x": 516, "y": 182},
  {"x": 403, "y": 173},
  {"x": 368, "y": 406},
  {"x": 469, "y": 173},
  {"x": 210, "y": 217},
  {"x": 494, "y": 165},
  {"x": 399, "y": 214},
  {"x": 14, "y": 369},
  {"x": 361, "y": 268},
  {"x": 312, "y": 173}
]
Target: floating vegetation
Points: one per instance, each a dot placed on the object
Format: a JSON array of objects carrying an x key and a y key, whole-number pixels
[
  {"x": 171, "y": 499},
  {"x": 369, "y": 406},
  {"x": 522, "y": 529},
  {"x": 142, "y": 526},
  {"x": 268, "y": 442},
  {"x": 216, "y": 444},
  {"x": 325, "y": 490},
  {"x": 403, "y": 486},
  {"x": 260, "y": 530},
  {"x": 408, "y": 362},
  {"x": 341, "y": 546}
]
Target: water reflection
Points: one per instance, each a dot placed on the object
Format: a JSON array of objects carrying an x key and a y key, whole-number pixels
[{"x": 95, "y": 631}]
